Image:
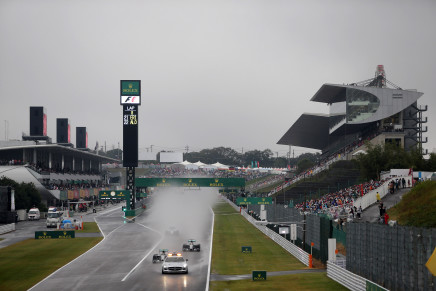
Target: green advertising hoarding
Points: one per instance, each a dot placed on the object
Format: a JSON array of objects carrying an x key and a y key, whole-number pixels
[
  {"x": 113, "y": 194},
  {"x": 253, "y": 200},
  {"x": 63, "y": 234},
  {"x": 190, "y": 182},
  {"x": 259, "y": 275},
  {"x": 228, "y": 191},
  {"x": 63, "y": 195},
  {"x": 130, "y": 88}
]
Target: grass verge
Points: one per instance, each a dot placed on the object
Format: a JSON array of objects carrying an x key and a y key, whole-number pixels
[
  {"x": 231, "y": 232},
  {"x": 25, "y": 263},
  {"x": 300, "y": 282},
  {"x": 89, "y": 227},
  {"x": 418, "y": 207}
]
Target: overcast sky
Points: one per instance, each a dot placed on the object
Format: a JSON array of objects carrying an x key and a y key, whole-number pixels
[{"x": 214, "y": 73}]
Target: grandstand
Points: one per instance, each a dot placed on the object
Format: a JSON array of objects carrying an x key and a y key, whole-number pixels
[
  {"x": 359, "y": 112},
  {"x": 367, "y": 110},
  {"x": 58, "y": 170}
]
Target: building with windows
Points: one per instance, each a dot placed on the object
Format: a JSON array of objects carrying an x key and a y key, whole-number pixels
[{"x": 367, "y": 110}]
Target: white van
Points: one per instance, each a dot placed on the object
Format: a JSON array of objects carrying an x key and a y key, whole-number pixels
[
  {"x": 34, "y": 214},
  {"x": 52, "y": 209},
  {"x": 53, "y": 218}
]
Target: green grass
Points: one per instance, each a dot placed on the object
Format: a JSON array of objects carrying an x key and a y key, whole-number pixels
[
  {"x": 89, "y": 227},
  {"x": 25, "y": 263},
  {"x": 418, "y": 207},
  {"x": 311, "y": 281},
  {"x": 231, "y": 232}
]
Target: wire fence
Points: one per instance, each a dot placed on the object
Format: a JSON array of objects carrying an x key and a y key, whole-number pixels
[{"x": 393, "y": 257}]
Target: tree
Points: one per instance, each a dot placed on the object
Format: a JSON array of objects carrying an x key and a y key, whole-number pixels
[
  {"x": 431, "y": 163},
  {"x": 26, "y": 194},
  {"x": 304, "y": 164},
  {"x": 390, "y": 156}
]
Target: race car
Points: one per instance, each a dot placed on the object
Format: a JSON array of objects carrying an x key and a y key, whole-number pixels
[
  {"x": 175, "y": 263},
  {"x": 191, "y": 246},
  {"x": 161, "y": 256},
  {"x": 172, "y": 230}
]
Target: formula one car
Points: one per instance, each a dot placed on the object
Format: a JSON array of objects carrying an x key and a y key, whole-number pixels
[
  {"x": 172, "y": 230},
  {"x": 161, "y": 256},
  {"x": 191, "y": 246}
]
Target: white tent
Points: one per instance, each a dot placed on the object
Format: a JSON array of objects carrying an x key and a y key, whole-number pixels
[
  {"x": 186, "y": 165},
  {"x": 220, "y": 166},
  {"x": 200, "y": 164},
  {"x": 209, "y": 167}
]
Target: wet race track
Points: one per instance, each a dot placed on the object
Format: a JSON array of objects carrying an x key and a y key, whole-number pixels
[{"x": 123, "y": 260}]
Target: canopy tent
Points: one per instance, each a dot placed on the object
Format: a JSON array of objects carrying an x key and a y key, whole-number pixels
[
  {"x": 200, "y": 164},
  {"x": 220, "y": 166},
  {"x": 185, "y": 165}
]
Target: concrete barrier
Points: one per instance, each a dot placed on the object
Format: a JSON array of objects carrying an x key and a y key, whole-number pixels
[
  {"x": 7, "y": 228},
  {"x": 349, "y": 279}
]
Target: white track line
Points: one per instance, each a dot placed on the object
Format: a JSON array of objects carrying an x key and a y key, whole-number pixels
[
  {"x": 210, "y": 252},
  {"x": 137, "y": 265},
  {"x": 104, "y": 237}
]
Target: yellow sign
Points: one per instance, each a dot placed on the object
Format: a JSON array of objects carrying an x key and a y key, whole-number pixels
[{"x": 431, "y": 263}]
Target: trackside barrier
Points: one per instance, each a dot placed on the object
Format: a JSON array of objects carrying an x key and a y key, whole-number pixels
[
  {"x": 301, "y": 255},
  {"x": 350, "y": 280},
  {"x": 7, "y": 228}
]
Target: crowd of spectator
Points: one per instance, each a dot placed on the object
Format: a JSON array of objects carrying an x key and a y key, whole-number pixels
[
  {"x": 74, "y": 185},
  {"x": 342, "y": 198},
  {"x": 11, "y": 162},
  {"x": 325, "y": 163},
  {"x": 178, "y": 172}
]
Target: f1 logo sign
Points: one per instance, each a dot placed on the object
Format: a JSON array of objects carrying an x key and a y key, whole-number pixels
[{"x": 130, "y": 99}]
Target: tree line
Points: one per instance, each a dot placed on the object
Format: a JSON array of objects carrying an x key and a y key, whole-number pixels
[
  {"x": 391, "y": 156},
  {"x": 26, "y": 194}
]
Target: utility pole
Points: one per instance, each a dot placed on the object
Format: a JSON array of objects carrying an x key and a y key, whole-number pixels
[
  {"x": 277, "y": 155},
  {"x": 151, "y": 148},
  {"x": 187, "y": 149},
  {"x": 6, "y": 130},
  {"x": 289, "y": 157}
]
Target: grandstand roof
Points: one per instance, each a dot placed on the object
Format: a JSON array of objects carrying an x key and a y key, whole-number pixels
[
  {"x": 309, "y": 131},
  {"x": 330, "y": 93},
  {"x": 55, "y": 148}
]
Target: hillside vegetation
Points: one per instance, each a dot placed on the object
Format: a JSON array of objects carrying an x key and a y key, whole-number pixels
[{"x": 418, "y": 207}]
